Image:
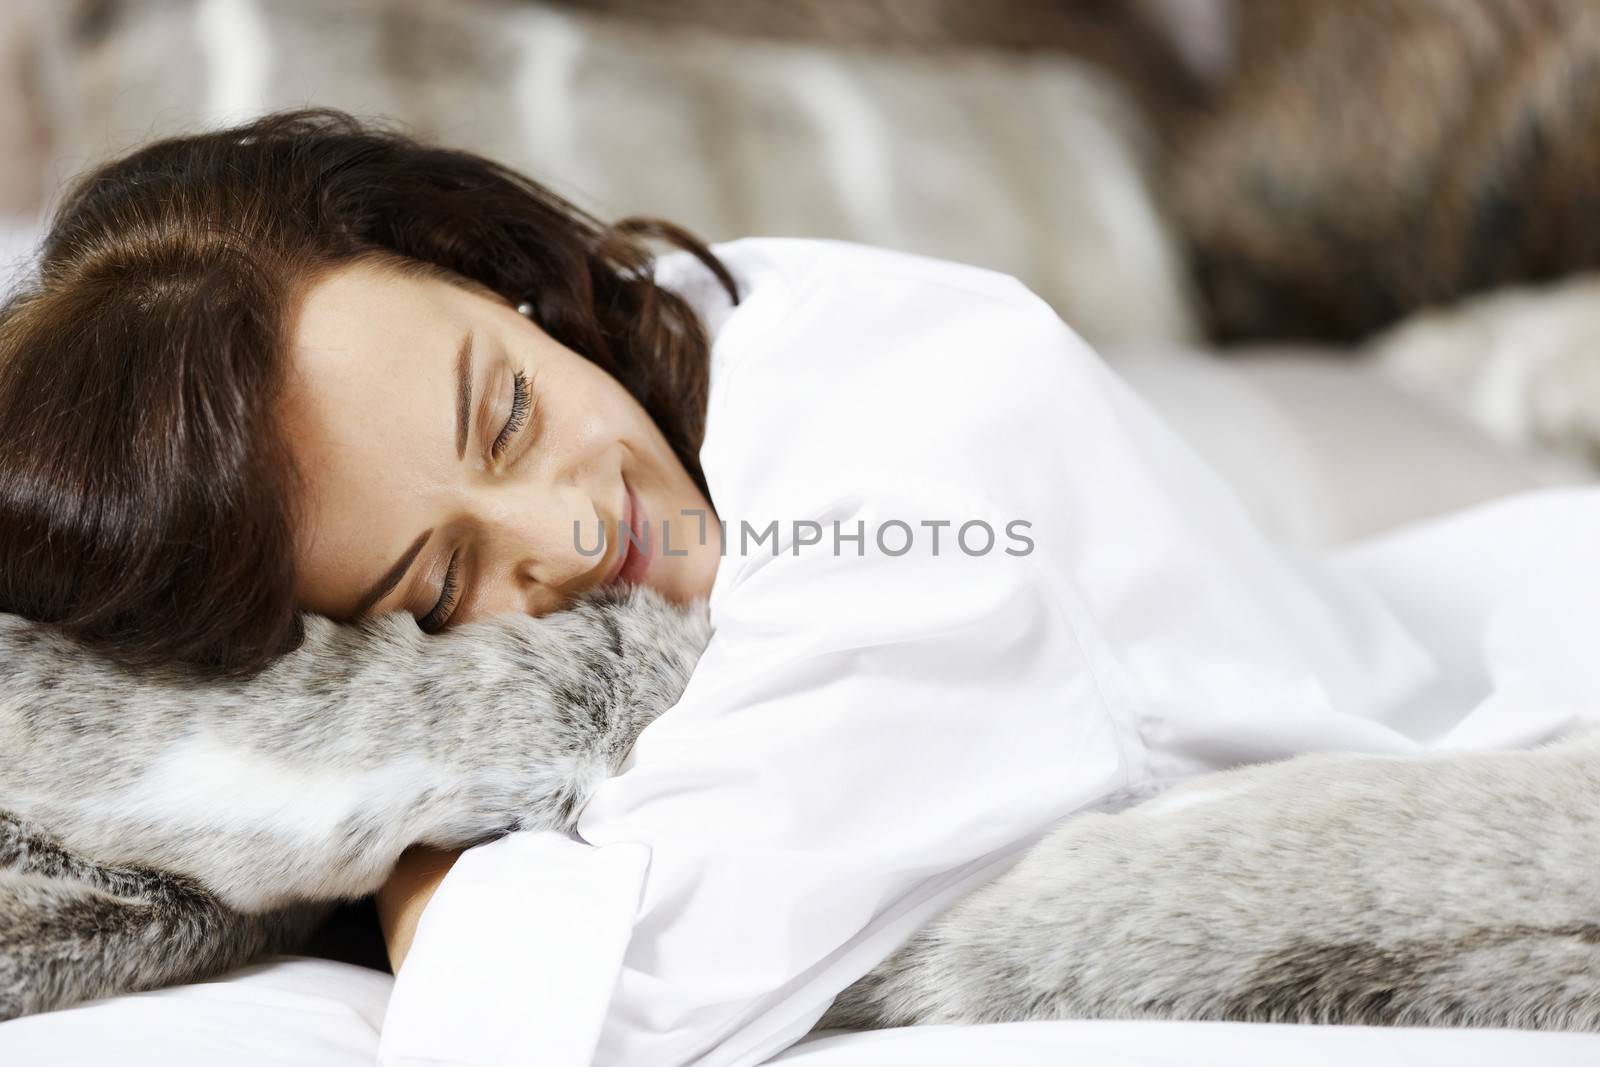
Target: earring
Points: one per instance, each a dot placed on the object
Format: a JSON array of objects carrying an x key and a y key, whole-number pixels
[{"x": 525, "y": 308}]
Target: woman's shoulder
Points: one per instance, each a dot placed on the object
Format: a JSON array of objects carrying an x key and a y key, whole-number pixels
[
  {"x": 874, "y": 321},
  {"x": 824, "y": 307},
  {"x": 846, "y": 357},
  {"x": 801, "y": 264},
  {"x": 784, "y": 270}
]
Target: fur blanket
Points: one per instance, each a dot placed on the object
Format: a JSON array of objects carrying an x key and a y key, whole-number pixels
[{"x": 162, "y": 829}]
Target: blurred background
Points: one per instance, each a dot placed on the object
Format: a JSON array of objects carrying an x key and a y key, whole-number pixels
[{"x": 1344, "y": 245}]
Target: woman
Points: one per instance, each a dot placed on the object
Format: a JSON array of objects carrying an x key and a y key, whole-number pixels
[
  {"x": 964, "y": 583},
  {"x": 160, "y": 517}
]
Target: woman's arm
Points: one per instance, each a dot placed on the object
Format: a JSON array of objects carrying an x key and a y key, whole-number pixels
[
  {"x": 872, "y": 725},
  {"x": 406, "y": 893},
  {"x": 857, "y": 728}
]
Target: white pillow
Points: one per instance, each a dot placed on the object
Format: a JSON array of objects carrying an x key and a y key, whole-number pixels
[{"x": 1324, "y": 450}]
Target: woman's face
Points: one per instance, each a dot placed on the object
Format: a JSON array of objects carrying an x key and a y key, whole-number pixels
[{"x": 460, "y": 463}]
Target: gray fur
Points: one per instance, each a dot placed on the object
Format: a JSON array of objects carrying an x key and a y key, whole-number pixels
[
  {"x": 1450, "y": 890},
  {"x": 164, "y": 827},
  {"x": 72, "y": 930}
]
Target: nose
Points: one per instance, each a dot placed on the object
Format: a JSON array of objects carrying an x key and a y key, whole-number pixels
[{"x": 541, "y": 547}]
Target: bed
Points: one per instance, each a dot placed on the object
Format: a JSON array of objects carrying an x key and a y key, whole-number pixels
[
  {"x": 317, "y": 1013},
  {"x": 1315, "y": 492}
]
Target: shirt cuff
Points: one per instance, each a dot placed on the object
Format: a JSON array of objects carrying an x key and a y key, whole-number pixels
[{"x": 516, "y": 955}]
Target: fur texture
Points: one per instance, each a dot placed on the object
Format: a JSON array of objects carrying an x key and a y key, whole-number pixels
[
  {"x": 1451, "y": 890},
  {"x": 73, "y": 930},
  {"x": 1360, "y": 159},
  {"x": 164, "y": 828}
]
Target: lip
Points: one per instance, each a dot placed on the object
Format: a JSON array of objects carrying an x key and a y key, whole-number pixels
[
  {"x": 639, "y": 557},
  {"x": 631, "y": 563}
]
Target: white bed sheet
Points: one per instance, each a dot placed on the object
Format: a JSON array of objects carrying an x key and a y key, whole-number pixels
[
  {"x": 314, "y": 1013},
  {"x": 1183, "y": 1044}
]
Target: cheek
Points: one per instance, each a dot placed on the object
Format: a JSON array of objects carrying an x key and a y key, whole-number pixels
[{"x": 598, "y": 412}]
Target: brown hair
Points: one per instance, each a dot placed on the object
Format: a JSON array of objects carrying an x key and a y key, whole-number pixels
[{"x": 145, "y": 494}]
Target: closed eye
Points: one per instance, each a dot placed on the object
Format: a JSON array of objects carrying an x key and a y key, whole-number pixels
[
  {"x": 449, "y": 595},
  {"x": 521, "y": 408}
]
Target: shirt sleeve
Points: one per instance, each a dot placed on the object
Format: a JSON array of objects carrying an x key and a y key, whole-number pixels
[{"x": 869, "y": 729}]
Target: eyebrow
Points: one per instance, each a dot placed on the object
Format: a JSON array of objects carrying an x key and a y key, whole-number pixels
[
  {"x": 463, "y": 394},
  {"x": 391, "y": 578}
]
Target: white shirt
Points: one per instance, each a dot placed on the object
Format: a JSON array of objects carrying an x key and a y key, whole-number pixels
[{"x": 869, "y": 737}]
